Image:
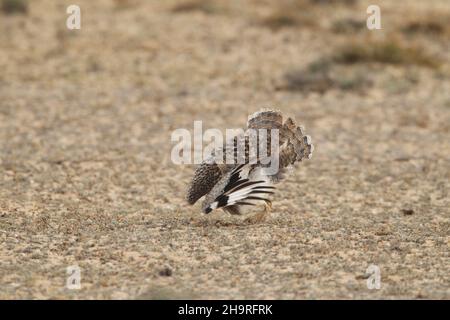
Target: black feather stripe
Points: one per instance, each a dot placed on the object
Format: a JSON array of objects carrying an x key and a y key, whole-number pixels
[
  {"x": 263, "y": 187},
  {"x": 233, "y": 185},
  {"x": 222, "y": 201},
  {"x": 234, "y": 178},
  {"x": 261, "y": 191},
  {"x": 244, "y": 184},
  {"x": 255, "y": 198}
]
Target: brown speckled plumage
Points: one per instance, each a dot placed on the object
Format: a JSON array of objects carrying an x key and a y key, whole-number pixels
[{"x": 206, "y": 175}]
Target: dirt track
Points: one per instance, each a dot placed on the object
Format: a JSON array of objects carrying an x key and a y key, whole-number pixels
[{"x": 86, "y": 178}]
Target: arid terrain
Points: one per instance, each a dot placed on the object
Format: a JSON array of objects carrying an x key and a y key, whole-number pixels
[{"x": 86, "y": 177}]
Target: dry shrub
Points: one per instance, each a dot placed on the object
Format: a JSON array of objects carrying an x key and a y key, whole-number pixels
[
  {"x": 428, "y": 27},
  {"x": 428, "y": 24},
  {"x": 124, "y": 4},
  {"x": 388, "y": 51},
  {"x": 295, "y": 13},
  {"x": 321, "y": 76},
  {"x": 307, "y": 80},
  {"x": 208, "y": 7},
  {"x": 14, "y": 6},
  {"x": 279, "y": 20},
  {"x": 348, "y": 26},
  {"x": 334, "y": 2},
  {"x": 333, "y": 71},
  {"x": 301, "y": 13}
]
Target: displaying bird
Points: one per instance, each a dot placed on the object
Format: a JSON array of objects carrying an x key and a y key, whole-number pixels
[{"x": 246, "y": 181}]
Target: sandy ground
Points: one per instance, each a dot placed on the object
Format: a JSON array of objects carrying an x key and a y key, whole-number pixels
[{"x": 86, "y": 179}]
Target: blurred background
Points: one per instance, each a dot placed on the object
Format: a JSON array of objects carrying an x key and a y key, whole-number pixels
[{"x": 86, "y": 118}]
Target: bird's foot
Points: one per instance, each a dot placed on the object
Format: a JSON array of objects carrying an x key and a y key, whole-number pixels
[{"x": 260, "y": 216}]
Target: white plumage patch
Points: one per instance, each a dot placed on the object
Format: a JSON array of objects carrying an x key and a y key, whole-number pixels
[{"x": 243, "y": 189}]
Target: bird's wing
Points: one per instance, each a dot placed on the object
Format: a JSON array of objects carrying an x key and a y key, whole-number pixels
[{"x": 240, "y": 190}]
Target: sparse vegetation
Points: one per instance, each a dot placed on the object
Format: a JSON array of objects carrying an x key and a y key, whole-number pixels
[
  {"x": 300, "y": 13},
  {"x": 428, "y": 27},
  {"x": 195, "y": 5},
  {"x": 348, "y": 26},
  {"x": 431, "y": 24},
  {"x": 389, "y": 52},
  {"x": 124, "y": 4},
  {"x": 278, "y": 20},
  {"x": 287, "y": 14},
  {"x": 307, "y": 80},
  {"x": 329, "y": 2},
  {"x": 353, "y": 80},
  {"x": 14, "y": 6},
  {"x": 321, "y": 76}
]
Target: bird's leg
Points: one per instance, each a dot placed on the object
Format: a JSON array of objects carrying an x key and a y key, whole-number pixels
[{"x": 260, "y": 216}]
